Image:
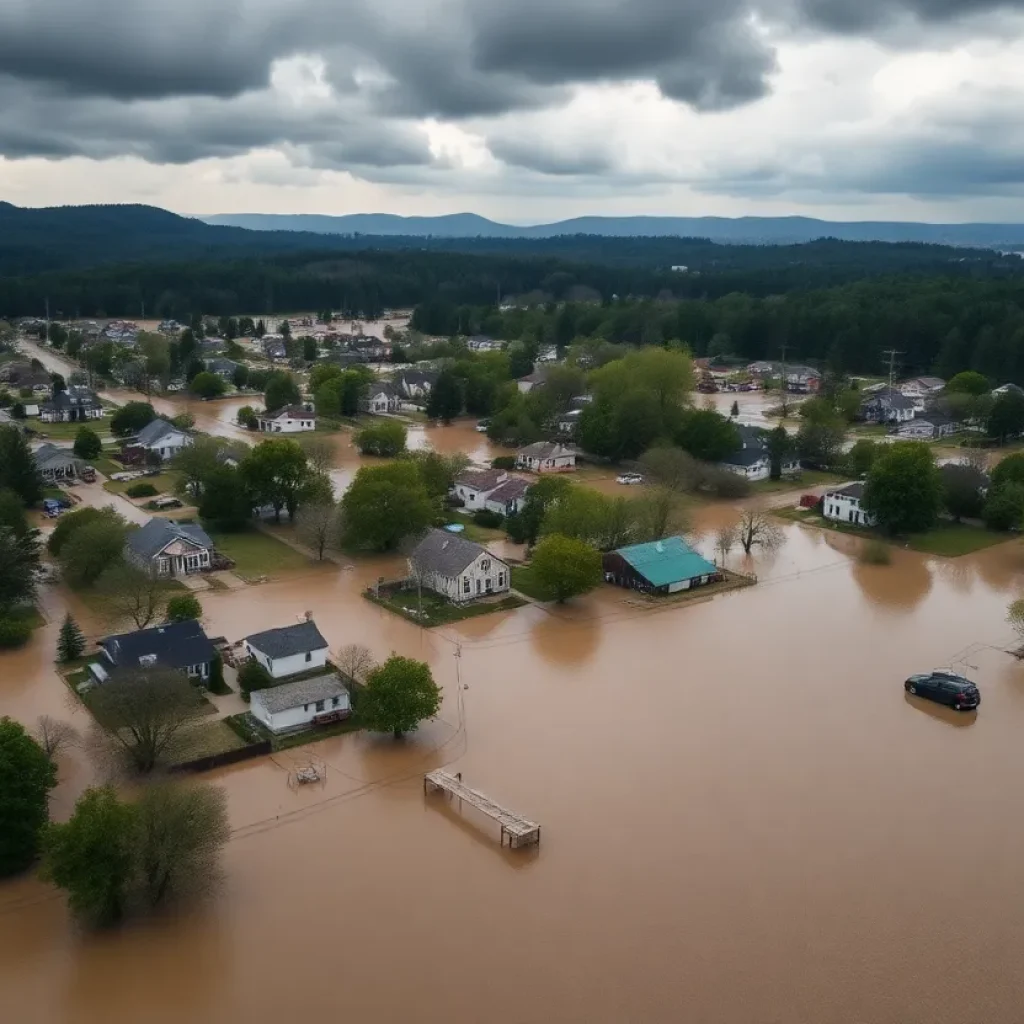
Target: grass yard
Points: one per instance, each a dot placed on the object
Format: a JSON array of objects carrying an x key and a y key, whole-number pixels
[
  {"x": 948, "y": 540},
  {"x": 163, "y": 482},
  {"x": 475, "y": 533},
  {"x": 807, "y": 478},
  {"x": 208, "y": 738},
  {"x": 106, "y": 465},
  {"x": 69, "y": 431},
  {"x": 523, "y": 581},
  {"x": 436, "y": 611},
  {"x": 256, "y": 553}
]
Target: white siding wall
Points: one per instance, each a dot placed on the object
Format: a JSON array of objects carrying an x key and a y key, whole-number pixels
[
  {"x": 472, "y": 582},
  {"x": 474, "y": 499},
  {"x": 281, "y": 667},
  {"x": 841, "y": 508},
  {"x": 170, "y": 444},
  {"x": 294, "y": 718}
]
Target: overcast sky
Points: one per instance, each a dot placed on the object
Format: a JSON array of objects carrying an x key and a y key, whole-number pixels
[{"x": 525, "y": 112}]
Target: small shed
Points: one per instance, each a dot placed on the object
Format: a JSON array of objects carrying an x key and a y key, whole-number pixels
[{"x": 660, "y": 567}]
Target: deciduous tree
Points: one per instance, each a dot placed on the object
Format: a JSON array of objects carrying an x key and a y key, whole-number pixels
[
  {"x": 131, "y": 593},
  {"x": 87, "y": 443},
  {"x": 275, "y": 472},
  {"x": 904, "y": 489},
  {"x": 26, "y": 778},
  {"x": 281, "y": 390},
  {"x": 92, "y": 548},
  {"x": 207, "y": 385},
  {"x": 386, "y": 439},
  {"x": 399, "y": 695},
  {"x": 317, "y": 525},
  {"x": 183, "y": 608},
  {"x": 131, "y": 417},
  {"x": 758, "y": 530},
  {"x": 53, "y": 735},
  {"x": 445, "y": 400},
  {"x": 565, "y": 567},
  {"x": 19, "y": 562},
  {"x": 385, "y": 504}
]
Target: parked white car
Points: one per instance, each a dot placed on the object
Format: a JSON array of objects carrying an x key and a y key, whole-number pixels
[{"x": 629, "y": 479}]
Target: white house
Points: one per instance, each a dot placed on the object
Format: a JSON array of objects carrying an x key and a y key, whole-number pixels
[
  {"x": 546, "y": 457},
  {"x": 568, "y": 422},
  {"x": 533, "y": 380},
  {"x": 490, "y": 489},
  {"x": 749, "y": 463},
  {"x": 301, "y": 704},
  {"x": 887, "y": 406},
  {"x": 382, "y": 397},
  {"x": 922, "y": 387},
  {"x": 292, "y": 419},
  {"x": 457, "y": 568},
  {"x": 844, "y": 506},
  {"x": 75, "y": 404},
  {"x": 163, "y": 438},
  {"x": 415, "y": 384},
  {"x": 288, "y": 650},
  {"x": 1005, "y": 389},
  {"x": 929, "y": 426}
]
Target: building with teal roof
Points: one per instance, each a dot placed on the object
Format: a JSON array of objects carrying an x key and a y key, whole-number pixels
[{"x": 660, "y": 567}]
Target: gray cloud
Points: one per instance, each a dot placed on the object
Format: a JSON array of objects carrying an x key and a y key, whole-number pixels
[
  {"x": 548, "y": 156},
  {"x": 866, "y": 17}
]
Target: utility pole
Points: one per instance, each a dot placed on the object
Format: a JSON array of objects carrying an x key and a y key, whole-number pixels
[
  {"x": 782, "y": 380},
  {"x": 892, "y": 354}
]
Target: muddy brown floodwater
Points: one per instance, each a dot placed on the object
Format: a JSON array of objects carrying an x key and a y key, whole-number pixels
[{"x": 744, "y": 818}]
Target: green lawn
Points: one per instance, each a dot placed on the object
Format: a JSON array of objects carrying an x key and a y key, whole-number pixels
[
  {"x": 106, "y": 465},
  {"x": 868, "y": 430},
  {"x": 477, "y": 534},
  {"x": 807, "y": 478},
  {"x": 523, "y": 581},
  {"x": 430, "y": 609},
  {"x": 206, "y": 739},
  {"x": 949, "y": 540},
  {"x": 256, "y": 553},
  {"x": 69, "y": 431},
  {"x": 163, "y": 482}
]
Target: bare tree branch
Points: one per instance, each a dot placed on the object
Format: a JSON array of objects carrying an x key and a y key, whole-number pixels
[
  {"x": 131, "y": 593},
  {"x": 55, "y": 735},
  {"x": 355, "y": 661},
  {"x": 757, "y": 529}
]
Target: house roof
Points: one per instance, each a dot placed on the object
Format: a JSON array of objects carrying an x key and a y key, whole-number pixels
[
  {"x": 220, "y": 363},
  {"x": 303, "y": 691},
  {"x": 155, "y": 431},
  {"x": 934, "y": 383},
  {"x": 850, "y": 491},
  {"x": 511, "y": 490},
  {"x": 482, "y": 480},
  {"x": 545, "y": 450},
  {"x": 936, "y": 417},
  {"x": 1004, "y": 388},
  {"x": 420, "y": 377},
  {"x": 444, "y": 553},
  {"x": 49, "y": 456},
  {"x": 151, "y": 539},
  {"x": 382, "y": 388},
  {"x": 662, "y": 562},
  {"x": 284, "y": 641},
  {"x": 745, "y": 457},
  {"x": 74, "y": 398},
  {"x": 292, "y": 412},
  {"x": 174, "y": 644},
  {"x": 537, "y": 377}
]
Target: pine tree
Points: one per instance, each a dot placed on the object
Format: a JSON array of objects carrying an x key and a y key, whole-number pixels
[{"x": 71, "y": 643}]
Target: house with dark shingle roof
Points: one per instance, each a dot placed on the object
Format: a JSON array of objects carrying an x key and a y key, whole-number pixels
[
  {"x": 298, "y": 705},
  {"x": 457, "y": 568},
  {"x": 71, "y": 406},
  {"x": 166, "y": 549},
  {"x": 546, "y": 457},
  {"x": 660, "y": 567},
  {"x": 490, "y": 489},
  {"x": 162, "y": 437},
  {"x": 56, "y": 463},
  {"x": 288, "y": 650},
  {"x": 183, "y": 646},
  {"x": 845, "y": 505}
]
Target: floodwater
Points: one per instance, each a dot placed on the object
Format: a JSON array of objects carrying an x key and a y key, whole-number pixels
[{"x": 744, "y": 818}]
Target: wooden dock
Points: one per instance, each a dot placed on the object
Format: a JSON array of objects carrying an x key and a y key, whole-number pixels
[{"x": 520, "y": 831}]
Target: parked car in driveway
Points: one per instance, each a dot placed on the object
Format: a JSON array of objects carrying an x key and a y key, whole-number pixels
[{"x": 947, "y": 688}]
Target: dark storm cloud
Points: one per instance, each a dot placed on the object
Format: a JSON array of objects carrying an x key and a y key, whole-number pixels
[
  {"x": 546, "y": 157},
  {"x": 863, "y": 17}
]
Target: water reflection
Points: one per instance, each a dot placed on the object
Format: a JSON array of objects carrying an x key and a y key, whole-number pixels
[
  {"x": 1002, "y": 566},
  {"x": 565, "y": 639},
  {"x": 480, "y": 829},
  {"x": 901, "y": 586},
  {"x": 941, "y": 713}
]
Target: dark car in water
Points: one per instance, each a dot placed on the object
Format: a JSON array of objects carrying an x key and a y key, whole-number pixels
[{"x": 945, "y": 688}]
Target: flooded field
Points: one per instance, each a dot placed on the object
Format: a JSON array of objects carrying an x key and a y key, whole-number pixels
[{"x": 744, "y": 818}]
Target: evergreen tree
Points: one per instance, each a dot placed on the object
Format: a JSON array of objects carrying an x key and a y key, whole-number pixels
[
  {"x": 17, "y": 467},
  {"x": 71, "y": 642},
  {"x": 261, "y": 329}
]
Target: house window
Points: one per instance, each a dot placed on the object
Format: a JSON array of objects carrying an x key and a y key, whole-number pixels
[
  {"x": 309, "y": 655},
  {"x": 335, "y": 701},
  {"x": 466, "y": 586},
  {"x": 164, "y": 566},
  {"x": 485, "y": 565},
  {"x": 305, "y": 707},
  {"x": 501, "y": 579},
  {"x": 319, "y": 705}
]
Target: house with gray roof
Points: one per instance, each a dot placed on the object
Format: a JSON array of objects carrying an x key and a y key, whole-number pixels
[
  {"x": 167, "y": 549},
  {"x": 182, "y": 646},
  {"x": 490, "y": 489},
  {"x": 162, "y": 437},
  {"x": 301, "y": 704},
  {"x": 846, "y": 505},
  {"x": 288, "y": 650},
  {"x": 76, "y": 404},
  {"x": 456, "y": 568},
  {"x": 56, "y": 463}
]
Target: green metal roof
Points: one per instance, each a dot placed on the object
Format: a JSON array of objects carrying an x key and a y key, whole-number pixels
[{"x": 662, "y": 562}]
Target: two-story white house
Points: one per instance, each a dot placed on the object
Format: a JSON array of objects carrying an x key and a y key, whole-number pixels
[
  {"x": 292, "y": 419},
  {"x": 288, "y": 650},
  {"x": 163, "y": 438},
  {"x": 457, "y": 568},
  {"x": 845, "y": 506},
  {"x": 546, "y": 457},
  {"x": 382, "y": 398}
]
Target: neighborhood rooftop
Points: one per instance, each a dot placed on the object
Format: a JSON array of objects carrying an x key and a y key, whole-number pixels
[
  {"x": 152, "y": 538},
  {"x": 173, "y": 645},
  {"x": 662, "y": 562},
  {"x": 284, "y": 641},
  {"x": 154, "y": 431},
  {"x": 444, "y": 553},
  {"x": 850, "y": 491},
  {"x": 295, "y": 412},
  {"x": 305, "y": 691}
]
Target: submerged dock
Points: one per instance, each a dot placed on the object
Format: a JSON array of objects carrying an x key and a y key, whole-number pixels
[{"x": 519, "y": 830}]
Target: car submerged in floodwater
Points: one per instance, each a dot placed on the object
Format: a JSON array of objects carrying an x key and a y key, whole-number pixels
[{"x": 946, "y": 688}]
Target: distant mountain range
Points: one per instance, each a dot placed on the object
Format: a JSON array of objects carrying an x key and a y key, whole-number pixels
[{"x": 738, "y": 230}]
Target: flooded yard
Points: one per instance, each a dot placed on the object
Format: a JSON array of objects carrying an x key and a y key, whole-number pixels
[{"x": 744, "y": 818}]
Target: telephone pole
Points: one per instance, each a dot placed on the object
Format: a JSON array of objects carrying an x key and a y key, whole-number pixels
[
  {"x": 892, "y": 354},
  {"x": 782, "y": 380}
]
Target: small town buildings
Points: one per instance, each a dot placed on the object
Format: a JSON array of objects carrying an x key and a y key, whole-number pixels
[
  {"x": 56, "y": 463},
  {"x": 659, "y": 567},
  {"x": 182, "y": 646},
  {"x": 922, "y": 387},
  {"x": 166, "y": 549},
  {"x": 546, "y": 457},
  {"x": 457, "y": 568},
  {"x": 482, "y": 343},
  {"x": 845, "y": 506},
  {"x": 71, "y": 406},
  {"x": 887, "y": 406},
  {"x": 288, "y": 650},
  {"x": 381, "y": 397},
  {"x": 163, "y": 438},
  {"x": 568, "y": 422},
  {"x": 210, "y": 347},
  {"x": 292, "y": 419},
  {"x": 490, "y": 489},
  {"x": 531, "y": 381},
  {"x": 14, "y": 370},
  {"x": 929, "y": 426},
  {"x": 415, "y": 384},
  {"x": 301, "y": 704},
  {"x": 750, "y": 463},
  {"x": 274, "y": 349},
  {"x": 224, "y": 368}
]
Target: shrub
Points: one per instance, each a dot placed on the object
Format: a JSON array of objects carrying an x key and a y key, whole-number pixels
[
  {"x": 14, "y": 633},
  {"x": 504, "y": 462},
  {"x": 183, "y": 607},
  {"x": 875, "y": 552},
  {"x": 141, "y": 490},
  {"x": 216, "y": 684},
  {"x": 487, "y": 519},
  {"x": 723, "y": 484},
  {"x": 253, "y": 676}
]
